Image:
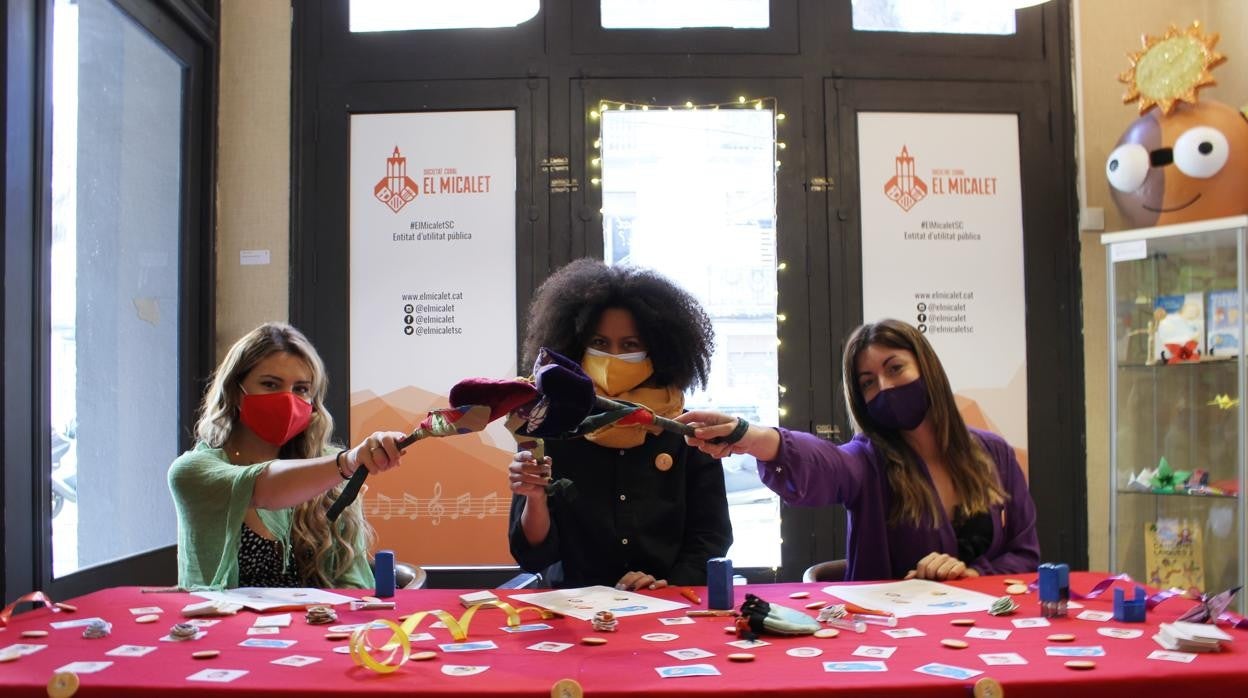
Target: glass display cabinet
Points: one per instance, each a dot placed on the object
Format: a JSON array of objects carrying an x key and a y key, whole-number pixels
[{"x": 1176, "y": 378}]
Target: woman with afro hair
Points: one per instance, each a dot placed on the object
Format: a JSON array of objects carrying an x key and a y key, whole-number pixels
[{"x": 644, "y": 509}]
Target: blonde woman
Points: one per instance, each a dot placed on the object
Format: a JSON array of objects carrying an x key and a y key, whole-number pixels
[
  {"x": 251, "y": 496},
  {"x": 927, "y": 496}
]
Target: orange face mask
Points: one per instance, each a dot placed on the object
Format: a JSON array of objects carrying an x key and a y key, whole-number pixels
[{"x": 614, "y": 374}]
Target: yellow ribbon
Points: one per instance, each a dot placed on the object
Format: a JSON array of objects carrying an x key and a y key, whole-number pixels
[{"x": 399, "y": 645}]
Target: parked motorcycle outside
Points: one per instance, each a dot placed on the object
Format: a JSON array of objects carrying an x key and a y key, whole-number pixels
[{"x": 64, "y": 471}]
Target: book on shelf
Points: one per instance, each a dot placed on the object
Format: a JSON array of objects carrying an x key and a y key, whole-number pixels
[
  {"x": 1180, "y": 328},
  {"x": 1174, "y": 555},
  {"x": 1222, "y": 323}
]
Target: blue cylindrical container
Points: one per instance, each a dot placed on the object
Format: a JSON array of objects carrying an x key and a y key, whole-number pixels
[
  {"x": 719, "y": 583},
  {"x": 383, "y": 572}
]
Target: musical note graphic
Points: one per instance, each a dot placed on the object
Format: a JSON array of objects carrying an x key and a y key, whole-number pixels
[{"x": 435, "y": 508}]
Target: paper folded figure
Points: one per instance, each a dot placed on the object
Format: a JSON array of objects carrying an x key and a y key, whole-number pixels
[
  {"x": 759, "y": 617},
  {"x": 1183, "y": 159},
  {"x": 557, "y": 402},
  {"x": 1210, "y": 608},
  {"x": 1167, "y": 480}
]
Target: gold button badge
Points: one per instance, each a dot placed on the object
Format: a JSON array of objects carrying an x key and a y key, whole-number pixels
[{"x": 663, "y": 462}]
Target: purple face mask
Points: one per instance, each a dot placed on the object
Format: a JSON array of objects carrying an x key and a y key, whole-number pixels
[{"x": 902, "y": 408}]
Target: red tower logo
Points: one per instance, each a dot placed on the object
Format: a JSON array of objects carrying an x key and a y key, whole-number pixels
[
  {"x": 905, "y": 188},
  {"x": 396, "y": 189}
]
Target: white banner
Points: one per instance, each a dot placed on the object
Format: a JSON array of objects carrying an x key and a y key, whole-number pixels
[
  {"x": 433, "y": 300},
  {"x": 942, "y": 249}
]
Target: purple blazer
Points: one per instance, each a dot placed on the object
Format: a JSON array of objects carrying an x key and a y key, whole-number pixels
[{"x": 810, "y": 471}]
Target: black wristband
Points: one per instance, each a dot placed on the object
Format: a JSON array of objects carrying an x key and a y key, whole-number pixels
[
  {"x": 338, "y": 464},
  {"x": 735, "y": 435}
]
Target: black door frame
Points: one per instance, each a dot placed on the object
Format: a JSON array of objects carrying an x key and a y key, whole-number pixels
[{"x": 809, "y": 44}]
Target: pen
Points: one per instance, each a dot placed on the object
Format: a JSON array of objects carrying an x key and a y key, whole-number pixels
[
  {"x": 690, "y": 594},
  {"x": 701, "y": 614}
]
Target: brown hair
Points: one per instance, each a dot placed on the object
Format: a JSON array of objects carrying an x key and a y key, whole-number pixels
[
  {"x": 973, "y": 473},
  {"x": 323, "y": 552}
]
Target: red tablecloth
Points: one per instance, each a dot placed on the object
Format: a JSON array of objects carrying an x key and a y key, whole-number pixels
[{"x": 625, "y": 666}]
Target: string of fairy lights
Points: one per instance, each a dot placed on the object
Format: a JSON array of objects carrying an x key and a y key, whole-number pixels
[{"x": 605, "y": 106}]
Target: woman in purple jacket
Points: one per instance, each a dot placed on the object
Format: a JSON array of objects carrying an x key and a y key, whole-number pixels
[{"x": 927, "y": 496}]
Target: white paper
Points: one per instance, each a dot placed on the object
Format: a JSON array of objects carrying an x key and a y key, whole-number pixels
[
  {"x": 253, "y": 257},
  {"x": 912, "y": 597},
  {"x": 264, "y": 599},
  {"x": 281, "y": 620},
  {"x": 583, "y": 603}
]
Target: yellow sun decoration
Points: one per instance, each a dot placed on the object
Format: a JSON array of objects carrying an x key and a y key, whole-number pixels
[{"x": 1171, "y": 68}]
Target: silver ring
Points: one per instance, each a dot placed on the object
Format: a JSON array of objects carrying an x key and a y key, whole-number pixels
[{"x": 372, "y": 448}]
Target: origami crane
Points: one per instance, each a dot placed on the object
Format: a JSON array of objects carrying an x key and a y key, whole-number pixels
[
  {"x": 1210, "y": 608},
  {"x": 557, "y": 402}
]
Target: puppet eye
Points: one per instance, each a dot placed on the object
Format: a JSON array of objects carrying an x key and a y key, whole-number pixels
[
  {"x": 1201, "y": 152},
  {"x": 1127, "y": 167}
]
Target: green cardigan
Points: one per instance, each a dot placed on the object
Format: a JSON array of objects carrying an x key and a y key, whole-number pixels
[{"x": 212, "y": 496}]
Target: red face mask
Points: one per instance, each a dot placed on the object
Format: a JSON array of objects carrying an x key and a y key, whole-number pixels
[{"x": 275, "y": 417}]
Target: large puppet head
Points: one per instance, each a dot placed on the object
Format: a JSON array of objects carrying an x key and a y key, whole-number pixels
[{"x": 1183, "y": 159}]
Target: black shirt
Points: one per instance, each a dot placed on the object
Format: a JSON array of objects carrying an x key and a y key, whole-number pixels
[{"x": 621, "y": 513}]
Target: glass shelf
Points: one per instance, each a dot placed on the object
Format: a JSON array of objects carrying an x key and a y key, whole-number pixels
[
  {"x": 1178, "y": 285},
  {"x": 1180, "y": 494}
]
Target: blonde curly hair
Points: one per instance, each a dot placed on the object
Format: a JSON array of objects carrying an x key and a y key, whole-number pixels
[{"x": 323, "y": 551}]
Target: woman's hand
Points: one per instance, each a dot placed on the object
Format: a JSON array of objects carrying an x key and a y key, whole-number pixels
[
  {"x": 639, "y": 580},
  {"x": 940, "y": 567},
  {"x": 378, "y": 453},
  {"x": 527, "y": 476},
  {"x": 760, "y": 442}
]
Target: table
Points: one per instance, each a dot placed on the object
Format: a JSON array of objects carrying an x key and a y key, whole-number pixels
[{"x": 624, "y": 666}]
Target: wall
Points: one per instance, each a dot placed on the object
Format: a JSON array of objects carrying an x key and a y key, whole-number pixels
[
  {"x": 254, "y": 170},
  {"x": 1106, "y": 31},
  {"x": 253, "y": 177}
]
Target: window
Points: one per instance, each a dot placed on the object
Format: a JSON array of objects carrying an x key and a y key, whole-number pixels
[
  {"x": 116, "y": 228},
  {"x": 398, "y": 15},
  {"x": 935, "y": 16},
  {"x": 685, "y": 14},
  {"x": 691, "y": 193}
]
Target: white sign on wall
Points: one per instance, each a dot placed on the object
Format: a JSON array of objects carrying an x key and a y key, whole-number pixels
[
  {"x": 942, "y": 249},
  {"x": 433, "y": 301}
]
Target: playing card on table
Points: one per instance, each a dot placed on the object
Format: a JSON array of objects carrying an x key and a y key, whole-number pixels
[
  {"x": 947, "y": 671},
  {"x": 147, "y": 610},
  {"x": 270, "y": 643},
  {"x": 690, "y": 653},
  {"x": 680, "y": 620},
  {"x": 76, "y": 623},
  {"x": 469, "y": 646},
  {"x": 1030, "y": 622},
  {"x": 988, "y": 633},
  {"x": 296, "y": 660},
  {"x": 1095, "y": 615},
  {"x": 526, "y": 628},
  {"x": 280, "y": 620},
  {"x": 550, "y": 646},
  {"x": 130, "y": 651},
  {"x": 85, "y": 667},
  {"x": 898, "y": 633},
  {"x": 217, "y": 675},
  {"x": 258, "y": 630},
  {"x": 748, "y": 644},
  {"x": 22, "y": 649},
  {"x": 672, "y": 672},
  {"x": 1171, "y": 656},
  {"x": 1003, "y": 659},
  {"x": 1091, "y": 651},
  {"x": 853, "y": 667},
  {"x": 874, "y": 651}
]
